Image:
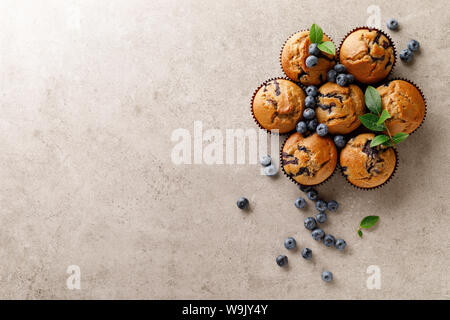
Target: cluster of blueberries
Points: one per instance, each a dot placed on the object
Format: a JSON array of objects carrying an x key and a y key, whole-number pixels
[
  {"x": 269, "y": 168},
  {"x": 338, "y": 75},
  {"x": 413, "y": 45}
]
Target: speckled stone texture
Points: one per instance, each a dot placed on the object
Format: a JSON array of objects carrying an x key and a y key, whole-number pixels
[{"x": 90, "y": 92}]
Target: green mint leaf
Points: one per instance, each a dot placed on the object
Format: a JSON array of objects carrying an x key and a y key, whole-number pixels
[
  {"x": 360, "y": 234},
  {"x": 369, "y": 222},
  {"x": 370, "y": 121},
  {"x": 373, "y": 100},
  {"x": 382, "y": 138},
  {"x": 388, "y": 143},
  {"x": 384, "y": 116},
  {"x": 399, "y": 137},
  {"x": 327, "y": 47},
  {"x": 315, "y": 34}
]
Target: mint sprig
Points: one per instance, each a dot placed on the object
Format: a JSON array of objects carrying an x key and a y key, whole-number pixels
[
  {"x": 316, "y": 36},
  {"x": 367, "y": 223}
]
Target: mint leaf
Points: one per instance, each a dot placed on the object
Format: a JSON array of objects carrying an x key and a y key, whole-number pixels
[
  {"x": 399, "y": 137},
  {"x": 384, "y": 116},
  {"x": 373, "y": 100},
  {"x": 370, "y": 120},
  {"x": 315, "y": 34},
  {"x": 388, "y": 143},
  {"x": 327, "y": 47},
  {"x": 369, "y": 222},
  {"x": 382, "y": 138},
  {"x": 360, "y": 234}
]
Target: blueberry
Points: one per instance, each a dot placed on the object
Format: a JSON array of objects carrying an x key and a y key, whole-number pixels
[
  {"x": 340, "y": 244},
  {"x": 318, "y": 234},
  {"x": 312, "y": 124},
  {"x": 300, "y": 203},
  {"x": 321, "y": 205},
  {"x": 312, "y": 195},
  {"x": 310, "y": 223},
  {"x": 322, "y": 129},
  {"x": 329, "y": 240},
  {"x": 406, "y": 55},
  {"x": 392, "y": 24},
  {"x": 304, "y": 188},
  {"x": 339, "y": 141},
  {"x": 310, "y": 102},
  {"x": 313, "y": 49},
  {"x": 309, "y": 113},
  {"x": 242, "y": 203},
  {"x": 301, "y": 127},
  {"x": 339, "y": 68},
  {"x": 350, "y": 78},
  {"x": 333, "y": 205},
  {"x": 327, "y": 276},
  {"x": 413, "y": 45},
  {"x": 321, "y": 217},
  {"x": 341, "y": 79},
  {"x": 270, "y": 170},
  {"x": 331, "y": 76},
  {"x": 290, "y": 243},
  {"x": 307, "y": 253},
  {"x": 282, "y": 261},
  {"x": 311, "y": 61},
  {"x": 265, "y": 160},
  {"x": 312, "y": 91}
]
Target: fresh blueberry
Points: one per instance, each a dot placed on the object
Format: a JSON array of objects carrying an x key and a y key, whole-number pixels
[
  {"x": 312, "y": 124},
  {"x": 312, "y": 195},
  {"x": 310, "y": 223},
  {"x": 339, "y": 68},
  {"x": 413, "y": 45},
  {"x": 290, "y": 243},
  {"x": 304, "y": 188},
  {"x": 311, "y": 61},
  {"x": 312, "y": 91},
  {"x": 329, "y": 240},
  {"x": 327, "y": 276},
  {"x": 300, "y": 203},
  {"x": 318, "y": 234},
  {"x": 341, "y": 79},
  {"x": 309, "y": 113},
  {"x": 313, "y": 49},
  {"x": 322, "y": 129},
  {"x": 321, "y": 217},
  {"x": 392, "y": 24},
  {"x": 331, "y": 75},
  {"x": 310, "y": 102},
  {"x": 333, "y": 205},
  {"x": 282, "y": 261},
  {"x": 270, "y": 170},
  {"x": 340, "y": 244},
  {"x": 406, "y": 55},
  {"x": 265, "y": 160},
  {"x": 339, "y": 141},
  {"x": 350, "y": 78},
  {"x": 307, "y": 253},
  {"x": 301, "y": 127},
  {"x": 242, "y": 203},
  {"x": 321, "y": 205}
]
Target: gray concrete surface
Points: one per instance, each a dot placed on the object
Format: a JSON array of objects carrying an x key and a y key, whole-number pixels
[{"x": 90, "y": 93}]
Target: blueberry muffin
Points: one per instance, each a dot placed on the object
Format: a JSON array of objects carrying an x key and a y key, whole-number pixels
[
  {"x": 278, "y": 104},
  {"x": 309, "y": 160},
  {"x": 405, "y": 104},
  {"x": 368, "y": 55},
  {"x": 340, "y": 107},
  {"x": 367, "y": 167},
  {"x": 293, "y": 60}
]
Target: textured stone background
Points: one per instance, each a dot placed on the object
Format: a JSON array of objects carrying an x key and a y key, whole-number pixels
[{"x": 90, "y": 94}]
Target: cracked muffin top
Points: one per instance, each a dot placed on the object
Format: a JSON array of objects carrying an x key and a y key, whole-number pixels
[
  {"x": 293, "y": 60},
  {"x": 279, "y": 104},
  {"x": 367, "y": 167},
  {"x": 309, "y": 160},
  {"x": 340, "y": 107},
  {"x": 368, "y": 55},
  {"x": 405, "y": 104}
]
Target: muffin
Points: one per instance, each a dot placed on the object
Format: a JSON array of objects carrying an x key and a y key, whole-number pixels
[
  {"x": 308, "y": 160},
  {"x": 367, "y": 167},
  {"x": 293, "y": 60},
  {"x": 278, "y": 104},
  {"x": 405, "y": 104},
  {"x": 340, "y": 107},
  {"x": 368, "y": 54}
]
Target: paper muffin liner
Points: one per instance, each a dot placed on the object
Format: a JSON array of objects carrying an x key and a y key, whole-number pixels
[
  {"x": 281, "y": 52},
  {"x": 383, "y": 33},
  {"x": 295, "y": 181},
  {"x": 377, "y": 187},
  {"x": 253, "y": 98}
]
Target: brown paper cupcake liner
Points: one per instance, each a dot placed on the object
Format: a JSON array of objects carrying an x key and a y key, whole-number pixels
[
  {"x": 295, "y": 181},
  {"x": 381, "y": 185}
]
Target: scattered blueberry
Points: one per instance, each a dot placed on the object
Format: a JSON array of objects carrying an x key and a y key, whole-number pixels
[
  {"x": 350, "y": 78},
  {"x": 300, "y": 203},
  {"x": 307, "y": 253},
  {"x": 265, "y": 160},
  {"x": 339, "y": 141},
  {"x": 309, "y": 113},
  {"x": 310, "y": 102},
  {"x": 333, "y": 205},
  {"x": 301, "y": 127},
  {"x": 321, "y": 217},
  {"x": 242, "y": 203},
  {"x": 413, "y": 45},
  {"x": 327, "y": 276},
  {"x": 290, "y": 243},
  {"x": 331, "y": 76},
  {"x": 329, "y": 240},
  {"x": 339, "y": 68},
  {"x": 312, "y": 124},
  {"x": 321, "y": 205},
  {"x": 341, "y": 79},
  {"x": 311, "y": 61},
  {"x": 270, "y": 170},
  {"x": 392, "y": 24},
  {"x": 312, "y": 195},
  {"x": 318, "y": 234},
  {"x": 322, "y": 129},
  {"x": 313, "y": 49},
  {"x": 406, "y": 55},
  {"x": 304, "y": 188},
  {"x": 340, "y": 244},
  {"x": 310, "y": 223},
  {"x": 282, "y": 260},
  {"x": 312, "y": 91}
]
